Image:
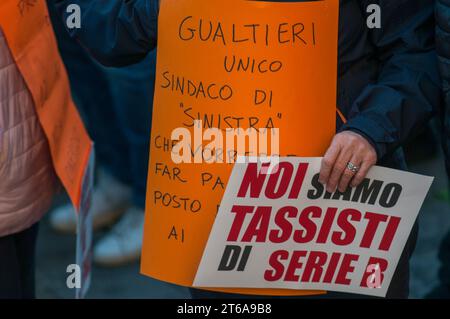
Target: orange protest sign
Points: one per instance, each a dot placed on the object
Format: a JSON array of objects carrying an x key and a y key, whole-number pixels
[
  {"x": 30, "y": 37},
  {"x": 252, "y": 65}
]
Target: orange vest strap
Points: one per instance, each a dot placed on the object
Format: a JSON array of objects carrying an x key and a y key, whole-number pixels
[
  {"x": 31, "y": 40},
  {"x": 341, "y": 115}
]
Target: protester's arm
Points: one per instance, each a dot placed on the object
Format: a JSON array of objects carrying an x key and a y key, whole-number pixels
[
  {"x": 443, "y": 49},
  {"x": 407, "y": 92},
  {"x": 116, "y": 32}
]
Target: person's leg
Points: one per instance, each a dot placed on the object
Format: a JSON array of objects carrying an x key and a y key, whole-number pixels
[
  {"x": 10, "y": 287},
  {"x": 17, "y": 264},
  {"x": 92, "y": 93},
  {"x": 399, "y": 288},
  {"x": 132, "y": 89},
  {"x": 26, "y": 254},
  {"x": 442, "y": 290},
  {"x": 444, "y": 257}
]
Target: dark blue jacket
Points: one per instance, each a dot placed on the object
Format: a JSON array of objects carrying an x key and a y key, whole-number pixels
[
  {"x": 443, "y": 49},
  {"x": 388, "y": 80}
]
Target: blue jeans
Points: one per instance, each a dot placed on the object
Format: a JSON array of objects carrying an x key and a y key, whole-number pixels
[
  {"x": 116, "y": 107},
  {"x": 132, "y": 91}
]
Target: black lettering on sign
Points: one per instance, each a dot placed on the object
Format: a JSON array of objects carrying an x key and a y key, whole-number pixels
[
  {"x": 175, "y": 201},
  {"x": 175, "y": 235},
  {"x": 369, "y": 192},
  {"x": 234, "y": 257},
  {"x": 263, "y": 96},
  {"x": 195, "y": 88},
  {"x": 193, "y": 28},
  {"x": 251, "y": 65},
  {"x": 224, "y": 121},
  {"x": 163, "y": 143},
  {"x": 210, "y": 180},
  {"x": 173, "y": 174}
]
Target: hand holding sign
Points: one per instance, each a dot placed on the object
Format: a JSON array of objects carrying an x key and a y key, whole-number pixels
[
  {"x": 284, "y": 230},
  {"x": 349, "y": 158}
]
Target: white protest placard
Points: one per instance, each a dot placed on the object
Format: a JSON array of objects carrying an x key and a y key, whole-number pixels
[{"x": 279, "y": 228}]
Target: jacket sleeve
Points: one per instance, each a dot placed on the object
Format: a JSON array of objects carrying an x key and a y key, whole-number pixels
[
  {"x": 443, "y": 50},
  {"x": 407, "y": 91},
  {"x": 115, "y": 32}
]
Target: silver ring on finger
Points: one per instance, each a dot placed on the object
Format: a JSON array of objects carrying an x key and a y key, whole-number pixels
[{"x": 352, "y": 167}]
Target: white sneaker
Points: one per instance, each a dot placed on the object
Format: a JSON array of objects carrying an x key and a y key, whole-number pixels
[
  {"x": 122, "y": 245},
  {"x": 109, "y": 200}
]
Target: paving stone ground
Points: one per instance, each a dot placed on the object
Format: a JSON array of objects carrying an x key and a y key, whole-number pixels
[{"x": 56, "y": 251}]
